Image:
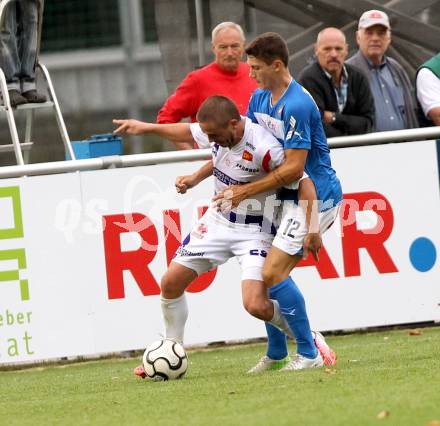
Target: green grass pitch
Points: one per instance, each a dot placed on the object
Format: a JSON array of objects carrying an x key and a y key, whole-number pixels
[{"x": 388, "y": 377}]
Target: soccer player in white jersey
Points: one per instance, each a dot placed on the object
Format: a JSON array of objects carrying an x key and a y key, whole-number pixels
[
  {"x": 287, "y": 110},
  {"x": 243, "y": 152}
]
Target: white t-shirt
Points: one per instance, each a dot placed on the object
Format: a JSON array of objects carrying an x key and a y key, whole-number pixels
[
  {"x": 428, "y": 90},
  {"x": 252, "y": 158}
]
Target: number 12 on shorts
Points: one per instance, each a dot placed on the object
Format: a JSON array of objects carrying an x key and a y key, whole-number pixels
[{"x": 292, "y": 225}]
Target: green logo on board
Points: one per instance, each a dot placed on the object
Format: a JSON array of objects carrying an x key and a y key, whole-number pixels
[{"x": 12, "y": 228}]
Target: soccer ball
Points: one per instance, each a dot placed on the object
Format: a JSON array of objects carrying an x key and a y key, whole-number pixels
[{"x": 165, "y": 360}]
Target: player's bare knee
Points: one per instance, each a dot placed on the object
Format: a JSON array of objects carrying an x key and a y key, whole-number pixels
[
  {"x": 254, "y": 309},
  {"x": 170, "y": 288},
  {"x": 258, "y": 309},
  {"x": 175, "y": 280}
]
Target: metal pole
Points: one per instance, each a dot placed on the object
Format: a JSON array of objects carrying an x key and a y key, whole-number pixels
[
  {"x": 200, "y": 32},
  {"x": 396, "y": 136},
  {"x": 378, "y": 138},
  {"x": 129, "y": 18}
]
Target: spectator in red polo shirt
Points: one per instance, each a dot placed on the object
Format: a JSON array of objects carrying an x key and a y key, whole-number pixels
[{"x": 227, "y": 75}]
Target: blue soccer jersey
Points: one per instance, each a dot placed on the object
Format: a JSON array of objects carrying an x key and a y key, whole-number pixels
[{"x": 296, "y": 122}]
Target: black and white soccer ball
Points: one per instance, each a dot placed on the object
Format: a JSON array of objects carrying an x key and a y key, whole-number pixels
[{"x": 165, "y": 360}]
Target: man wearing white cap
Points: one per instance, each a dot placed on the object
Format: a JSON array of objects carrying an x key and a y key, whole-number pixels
[{"x": 389, "y": 83}]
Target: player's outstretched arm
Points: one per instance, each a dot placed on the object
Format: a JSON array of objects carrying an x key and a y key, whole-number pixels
[
  {"x": 291, "y": 170},
  {"x": 183, "y": 183},
  {"x": 176, "y": 132}
]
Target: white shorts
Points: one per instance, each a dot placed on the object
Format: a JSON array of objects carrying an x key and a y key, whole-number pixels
[
  {"x": 214, "y": 240},
  {"x": 293, "y": 227}
]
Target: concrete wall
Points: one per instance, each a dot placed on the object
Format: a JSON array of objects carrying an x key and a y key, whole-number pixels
[{"x": 94, "y": 80}]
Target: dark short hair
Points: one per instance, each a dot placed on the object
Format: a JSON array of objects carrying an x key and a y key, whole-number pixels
[
  {"x": 218, "y": 109},
  {"x": 268, "y": 47}
]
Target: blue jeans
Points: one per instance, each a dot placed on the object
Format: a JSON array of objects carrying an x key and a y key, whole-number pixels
[{"x": 18, "y": 44}]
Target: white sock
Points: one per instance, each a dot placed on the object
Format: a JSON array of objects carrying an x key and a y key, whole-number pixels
[
  {"x": 278, "y": 319},
  {"x": 175, "y": 314}
]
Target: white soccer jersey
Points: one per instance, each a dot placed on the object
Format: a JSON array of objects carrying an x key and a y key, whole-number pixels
[
  {"x": 251, "y": 159},
  {"x": 428, "y": 90}
]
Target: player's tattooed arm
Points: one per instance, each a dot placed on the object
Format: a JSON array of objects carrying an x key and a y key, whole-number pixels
[
  {"x": 183, "y": 183},
  {"x": 291, "y": 170},
  {"x": 279, "y": 178}
]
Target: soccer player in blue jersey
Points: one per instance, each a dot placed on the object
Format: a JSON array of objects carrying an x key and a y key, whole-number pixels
[
  {"x": 246, "y": 233},
  {"x": 286, "y": 109}
]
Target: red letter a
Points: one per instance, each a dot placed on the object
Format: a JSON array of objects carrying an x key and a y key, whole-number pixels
[{"x": 372, "y": 239}]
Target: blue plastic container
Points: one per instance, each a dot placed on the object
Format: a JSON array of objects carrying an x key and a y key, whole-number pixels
[{"x": 97, "y": 146}]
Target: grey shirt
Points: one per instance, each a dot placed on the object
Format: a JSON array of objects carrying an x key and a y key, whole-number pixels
[
  {"x": 393, "y": 76},
  {"x": 388, "y": 98}
]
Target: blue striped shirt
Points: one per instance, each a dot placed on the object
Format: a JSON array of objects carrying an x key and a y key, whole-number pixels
[{"x": 388, "y": 98}]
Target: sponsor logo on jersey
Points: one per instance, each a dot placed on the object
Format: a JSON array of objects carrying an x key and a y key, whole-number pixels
[
  {"x": 257, "y": 252},
  {"x": 184, "y": 252},
  {"x": 247, "y": 156},
  {"x": 250, "y": 145},
  {"x": 246, "y": 169},
  {"x": 224, "y": 178}
]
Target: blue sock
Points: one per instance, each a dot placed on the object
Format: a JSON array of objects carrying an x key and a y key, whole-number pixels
[
  {"x": 276, "y": 342},
  {"x": 293, "y": 308}
]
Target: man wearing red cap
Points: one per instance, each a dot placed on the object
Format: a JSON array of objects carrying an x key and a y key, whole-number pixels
[{"x": 391, "y": 87}]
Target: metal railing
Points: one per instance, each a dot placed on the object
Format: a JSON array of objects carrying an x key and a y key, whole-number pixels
[
  {"x": 396, "y": 136},
  {"x": 379, "y": 138}
]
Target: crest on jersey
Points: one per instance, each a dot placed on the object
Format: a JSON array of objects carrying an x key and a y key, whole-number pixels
[{"x": 247, "y": 156}]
